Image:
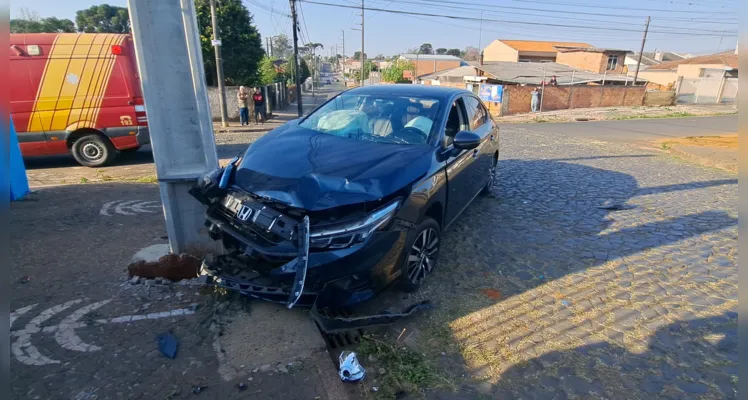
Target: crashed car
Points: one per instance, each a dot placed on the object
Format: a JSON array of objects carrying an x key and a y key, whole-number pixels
[{"x": 331, "y": 209}]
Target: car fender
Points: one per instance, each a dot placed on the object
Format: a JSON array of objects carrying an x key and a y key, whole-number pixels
[{"x": 427, "y": 192}]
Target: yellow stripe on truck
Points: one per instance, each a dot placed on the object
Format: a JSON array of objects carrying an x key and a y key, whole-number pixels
[
  {"x": 75, "y": 77},
  {"x": 109, "y": 67}
]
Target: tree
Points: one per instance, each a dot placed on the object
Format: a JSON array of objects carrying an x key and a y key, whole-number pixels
[
  {"x": 268, "y": 72},
  {"x": 280, "y": 46},
  {"x": 426, "y": 48},
  {"x": 357, "y": 56},
  {"x": 369, "y": 66},
  {"x": 454, "y": 52},
  {"x": 291, "y": 68},
  {"x": 471, "y": 54},
  {"x": 241, "y": 42},
  {"x": 441, "y": 50},
  {"x": 103, "y": 19},
  {"x": 394, "y": 73},
  {"x": 45, "y": 25},
  {"x": 379, "y": 57}
]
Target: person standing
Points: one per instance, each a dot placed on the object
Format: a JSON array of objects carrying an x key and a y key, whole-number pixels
[
  {"x": 242, "y": 97},
  {"x": 259, "y": 101},
  {"x": 535, "y": 102}
]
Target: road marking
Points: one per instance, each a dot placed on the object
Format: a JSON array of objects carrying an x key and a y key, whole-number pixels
[
  {"x": 64, "y": 332},
  {"x": 129, "y": 207}
]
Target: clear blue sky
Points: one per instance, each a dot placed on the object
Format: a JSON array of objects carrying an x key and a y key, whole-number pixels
[{"x": 682, "y": 26}]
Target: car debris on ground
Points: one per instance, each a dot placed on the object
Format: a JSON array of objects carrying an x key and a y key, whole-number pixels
[{"x": 350, "y": 369}]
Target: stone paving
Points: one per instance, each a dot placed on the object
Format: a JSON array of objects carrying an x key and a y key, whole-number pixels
[{"x": 617, "y": 270}]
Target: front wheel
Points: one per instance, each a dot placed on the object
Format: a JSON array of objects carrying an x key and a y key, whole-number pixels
[
  {"x": 93, "y": 151},
  {"x": 422, "y": 250},
  {"x": 491, "y": 182}
]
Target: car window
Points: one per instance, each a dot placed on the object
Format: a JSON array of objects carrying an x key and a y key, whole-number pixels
[
  {"x": 377, "y": 118},
  {"x": 454, "y": 122},
  {"x": 476, "y": 112}
]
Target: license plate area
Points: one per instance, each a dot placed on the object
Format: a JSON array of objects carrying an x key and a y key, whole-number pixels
[{"x": 246, "y": 210}]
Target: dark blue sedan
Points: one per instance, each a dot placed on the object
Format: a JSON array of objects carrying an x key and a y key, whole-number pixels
[{"x": 333, "y": 208}]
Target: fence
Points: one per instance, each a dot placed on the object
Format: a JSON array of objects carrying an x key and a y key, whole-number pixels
[
  {"x": 706, "y": 90},
  {"x": 277, "y": 97}
]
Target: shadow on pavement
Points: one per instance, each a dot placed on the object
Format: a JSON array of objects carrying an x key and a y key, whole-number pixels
[{"x": 543, "y": 268}]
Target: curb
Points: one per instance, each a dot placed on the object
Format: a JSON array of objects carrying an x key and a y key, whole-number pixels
[{"x": 705, "y": 161}]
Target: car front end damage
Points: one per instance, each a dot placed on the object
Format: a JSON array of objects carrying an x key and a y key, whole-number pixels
[{"x": 324, "y": 259}]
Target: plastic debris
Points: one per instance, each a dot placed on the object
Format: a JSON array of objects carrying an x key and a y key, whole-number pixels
[
  {"x": 26, "y": 279},
  {"x": 242, "y": 386},
  {"x": 167, "y": 344},
  {"x": 350, "y": 369},
  {"x": 198, "y": 389},
  {"x": 374, "y": 389},
  {"x": 565, "y": 303}
]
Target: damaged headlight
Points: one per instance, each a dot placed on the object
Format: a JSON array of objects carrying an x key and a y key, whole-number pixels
[{"x": 345, "y": 235}]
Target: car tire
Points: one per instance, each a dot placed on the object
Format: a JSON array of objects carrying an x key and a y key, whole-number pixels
[
  {"x": 93, "y": 150},
  {"x": 419, "y": 260},
  {"x": 491, "y": 179}
]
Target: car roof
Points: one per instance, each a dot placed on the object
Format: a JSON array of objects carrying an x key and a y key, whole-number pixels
[{"x": 401, "y": 89}]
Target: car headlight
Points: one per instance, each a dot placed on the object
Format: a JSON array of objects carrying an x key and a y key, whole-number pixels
[{"x": 345, "y": 235}]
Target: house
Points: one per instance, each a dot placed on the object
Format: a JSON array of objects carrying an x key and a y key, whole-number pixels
[
  {"x": 713, "y": 65},
  {"x": 524, "y": 50},
  {"x": 592, "y": 59},
  {"x": 430, "y": 63},
  {"x": 351, "y": 66},
  {"x": 651, "y": 58}
]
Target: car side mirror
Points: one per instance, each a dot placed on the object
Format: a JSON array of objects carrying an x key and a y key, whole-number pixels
[{"x": 466, "y": 140}]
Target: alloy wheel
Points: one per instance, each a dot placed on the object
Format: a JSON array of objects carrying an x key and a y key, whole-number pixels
[{"x": 422, "y": 255}]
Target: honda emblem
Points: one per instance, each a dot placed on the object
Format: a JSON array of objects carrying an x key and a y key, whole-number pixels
[{"x": 244, "y": 213}]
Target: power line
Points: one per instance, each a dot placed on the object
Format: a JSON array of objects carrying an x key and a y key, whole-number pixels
[
  {"x": 503, "y": 21},
  {"x": 628, "y": 8},
  {"x": 689, "y": 29}
]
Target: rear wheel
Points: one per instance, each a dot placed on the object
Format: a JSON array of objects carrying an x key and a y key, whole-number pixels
[
  {"x": 422, "y": 252},
  {"x": 93, "y": 150},
  {"x": 491, "y": 182}
]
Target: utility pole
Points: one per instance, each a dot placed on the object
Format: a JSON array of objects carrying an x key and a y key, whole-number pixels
[
  {"x": 363, "y": 56},
  {"x": 641, "y": 52},
  {"x": 267, "y": 46},
  {"x": 297, "y": 67},
  {"x": 480, "y": 33},
  {"x": 219, "y": 65},
  {"x": 343, "y": 32}
]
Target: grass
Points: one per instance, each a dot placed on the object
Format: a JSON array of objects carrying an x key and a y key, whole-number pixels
[
  {"x": 406, "y": 370},
  {"x": 677, "y": 114}
]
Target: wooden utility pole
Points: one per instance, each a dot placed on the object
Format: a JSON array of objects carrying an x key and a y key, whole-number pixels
[
  {"x": 297, "y": 67},
  {"x": 343, "y": 32},
  {"x": 219, "y": 65},
  {"x": 641, "y": 52},
  {"x": 363, "y": 55}
]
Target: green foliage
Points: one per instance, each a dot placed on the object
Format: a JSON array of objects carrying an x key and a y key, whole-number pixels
[
  {"x": 45, "y": 25},
  {"x": 368, "y": 67},
  {"x": 426, "y": 48},
  {"x": 357, "y": 56},
  {"x": 441, "y": 51},
  {"x": 290, "y": 68},
  {"x": 454, "y": 52},
  {"x": 394, "y": 73},
  {"x": 268, "y": 73},
  {"x": 280, "y": 47},
  {"x": 103, "y": 19},
  {"x": 241, "y": 43}
]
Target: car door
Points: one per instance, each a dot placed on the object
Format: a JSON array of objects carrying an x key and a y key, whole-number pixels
[
  {"x": 481, "y": 124},
  {"x": 458, "y": 164}
]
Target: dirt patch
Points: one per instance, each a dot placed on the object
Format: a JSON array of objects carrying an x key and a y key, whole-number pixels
[
  {"x": 491, "y": 293},
  {"x": 171, "y": 266},
  {"x": 722, "y": 141}
]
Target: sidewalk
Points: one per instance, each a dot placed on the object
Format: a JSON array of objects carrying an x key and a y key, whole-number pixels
[
  {"x": 620, "y": 113},
  {"x": 278, "y": 118}
]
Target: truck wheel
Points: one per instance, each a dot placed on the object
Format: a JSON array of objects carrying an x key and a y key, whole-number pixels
[
  {"x": 93, "y": 151},
  {"x": 422, "y": 250}
]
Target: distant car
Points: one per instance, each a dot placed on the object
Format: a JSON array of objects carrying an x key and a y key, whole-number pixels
[
  {"x": 328, "y": 81},
  {"x": 331, "y": 209}
]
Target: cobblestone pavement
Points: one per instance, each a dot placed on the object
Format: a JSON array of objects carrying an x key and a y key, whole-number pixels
[{"x": 615, "y": 271}]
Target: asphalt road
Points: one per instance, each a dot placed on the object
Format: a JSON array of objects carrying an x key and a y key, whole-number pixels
[{"x": 642, "y": 130}]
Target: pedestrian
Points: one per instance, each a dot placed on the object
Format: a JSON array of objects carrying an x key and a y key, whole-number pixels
[
  {"x": 553, "y": 81},
  {"x": 259, "y": 101},
  {"x": 535, "y": 103},
  {"x": 242, "y": 97}
]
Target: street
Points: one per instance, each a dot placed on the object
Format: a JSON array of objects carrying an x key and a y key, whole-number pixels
[{"x": 595, "y": 269}]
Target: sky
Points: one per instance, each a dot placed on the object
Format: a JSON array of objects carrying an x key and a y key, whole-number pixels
[{"x": 682, "y": 26}]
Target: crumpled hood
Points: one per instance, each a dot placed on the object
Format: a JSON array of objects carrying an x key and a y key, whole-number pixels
[{"x": 317, "y": 171}]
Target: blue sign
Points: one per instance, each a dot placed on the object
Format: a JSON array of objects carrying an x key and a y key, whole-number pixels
[{"x": 490, "y": 92}]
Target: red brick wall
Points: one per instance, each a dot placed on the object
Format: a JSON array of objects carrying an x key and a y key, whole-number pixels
[
  {"x": 517, "y": 98},
  {"x": 593, "y": 62}
]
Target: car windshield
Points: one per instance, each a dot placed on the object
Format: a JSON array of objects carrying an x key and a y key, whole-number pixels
[{"x": 377, "y": 118}]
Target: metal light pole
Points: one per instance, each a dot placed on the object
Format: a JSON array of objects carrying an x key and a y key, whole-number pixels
[
  {"x": 297, "y": 67},
  {"x": 219, "y": 65}
]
